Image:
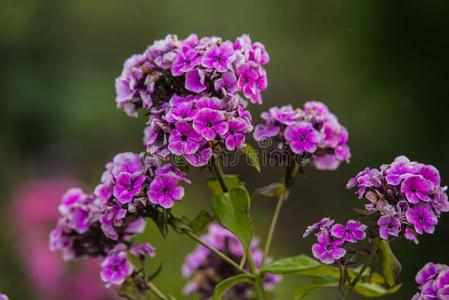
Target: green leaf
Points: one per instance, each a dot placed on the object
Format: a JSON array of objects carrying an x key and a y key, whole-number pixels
[
  {"x": 231, "y": 181},
  {"x": 201, "y": 221},
  {"x": 297, "y": 264},
  {"x": 228, "y": 283},
  {"x": 153, "y": 275},
  {"x": 232, "y": 210},
  {"x": 318, "y": 282},
  {"x": 252, "y": 155},
  {"x": 372, "y": 290},
  {"x": 391, "y": 267},
  {"x": 305, "y": 265},
  {"x": 271, "y": 190},
  {"x": 179, "y": 225}
]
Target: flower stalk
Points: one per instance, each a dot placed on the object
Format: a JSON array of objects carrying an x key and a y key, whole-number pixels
[
  {"x": 290, "y": 175},
  {"x": 215, "y": 251}
]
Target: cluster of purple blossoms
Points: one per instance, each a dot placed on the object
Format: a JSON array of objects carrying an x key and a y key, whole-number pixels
[
  {"x": 103, "y": 223},
  {"x": 406, "y": 197},
  {"x": 205, "y": 269},
  {"x": 334, "y": 238},
  {"x": 314, "y": 133},
  {"x": 433, "y": 280},
  {"x": 191, "y": 91},
  {"x": 3, "y": 297}
]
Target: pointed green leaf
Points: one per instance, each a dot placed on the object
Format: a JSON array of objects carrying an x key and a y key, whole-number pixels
[
  {"x": 252, "y": 156},
  {"x": 289, "y": 265},
  {"x": 201, "y": 221},
  {"x": 232, "y": 210},
  {"x": 271, "y": 190},
  {"x": 318, "y": 282},
  {"x": 372, "y": 290},
  {"x": 228, "y": 283},
  {"x": 305, "y": 265},
  {"x": 391, "y": 267},
  {"x": 231, "y": 181}
]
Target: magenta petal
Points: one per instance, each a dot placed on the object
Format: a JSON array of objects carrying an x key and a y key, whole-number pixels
[{"x": 177, "y": 193}]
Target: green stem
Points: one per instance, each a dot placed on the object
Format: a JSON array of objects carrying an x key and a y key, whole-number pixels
[
  {"x": 216, "y": 251},
  {"x": 156, "y": 291},
  {"x": 258, "y": 284},
  {"x": 290, "y": 174},
  {"x": 273, "y": 226},
  {"x": 219, "y": 174},
  {"x": 367, "y": 264}
]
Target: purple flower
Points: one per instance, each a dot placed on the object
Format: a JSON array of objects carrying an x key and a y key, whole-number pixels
[
  {"x": 416, "y": 188},
  {"x": 219, "y": 57},
  {"x": 443, "y": 279},
  {"x": 127, "y": 187},
  {"x": 353, "y": 231},
  {"x": 125, "y": 162},
  {"x": 205, "y": 269},
  {"x": 258, "y": 54},
  {"x": 252, "y": 80},
  {"x": 262, "y": 131},
  {"x": 235, "y": 137},
  {"x": 209, "y": 123},
  {"x": 285, "y": 115},
  {"x": 410, "y": 235},
  {"x": 227, "y": 84},
  {"x": 183, "y": 111},
  {"x": 316, "y": 108},
  {"x": 433, "y": 280},
  {"x": 365, "y": 179},
  {"x": 164, "y": 190},
  {"x": 185, "y": 61},
  {"x": 144, "y": 249},
  {"x": 428, "y": 272},
  {"x": 183, "y": 139},
  {"x": 302, "y": 138},
  {"x": 170, "y": 170},
  {"x": 195, "y": 81},
  {"x": 3, "y": 297},
  {"x": 326, "y": 162},
  {"x": 201, "y": 157},
  {"x": 328, "y": 250},
  {"x": 209, "y": 102},
  {"x": 422, "y": 217},
  {"x": 430, "y": 173},
  {"x": 388, "y": 225},
  {"x": 116, "y": 267},
  {"x": 323, "y": 224}
]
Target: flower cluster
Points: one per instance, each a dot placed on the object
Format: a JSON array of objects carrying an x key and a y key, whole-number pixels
[
  {"x": 333, "y": 238},
  {"x": 3, "y": 297},
  {"x": 406, "y": 197},
  {"x": 103, "y": 223},
  {"x": 313, "y": 133},
  {"x": 205, "y": 269},
  {"x": 33, "y": 213},
  {"x": 190, "y": 90},
  {"x": 433, "y": 280}
]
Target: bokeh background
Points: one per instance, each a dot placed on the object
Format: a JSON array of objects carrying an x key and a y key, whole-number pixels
[{"x": 380, "y": 65}]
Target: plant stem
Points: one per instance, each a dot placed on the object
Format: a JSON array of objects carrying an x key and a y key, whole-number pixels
[
  {"x": 219, "y": 174},
  {"x": 367, "y": 263},
  {"x": 216, "y": 251},
  {"x": 290, "y": 174},
  {"x": 273, "y": 225},
  {"x": 258, "y": 284},
  {"x": 156, "y": 291}
]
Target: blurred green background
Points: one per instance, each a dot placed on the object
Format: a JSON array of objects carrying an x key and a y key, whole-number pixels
[{"x": 381, "y": 66}]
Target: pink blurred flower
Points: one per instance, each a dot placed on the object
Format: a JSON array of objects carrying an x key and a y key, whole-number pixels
[{"x": 33, "y": 214}]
